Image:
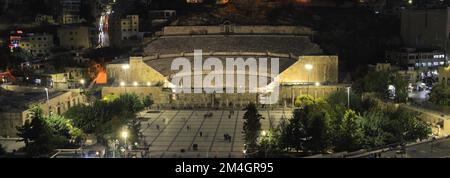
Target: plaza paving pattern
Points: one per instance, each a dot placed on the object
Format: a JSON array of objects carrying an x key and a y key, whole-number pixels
[{"x": 170, "y": 131}]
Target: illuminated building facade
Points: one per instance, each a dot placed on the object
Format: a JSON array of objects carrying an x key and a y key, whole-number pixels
[{"x": 37, "y": 44}]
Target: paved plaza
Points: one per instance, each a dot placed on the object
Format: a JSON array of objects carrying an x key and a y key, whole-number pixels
[{"x": 170, "y": 131}]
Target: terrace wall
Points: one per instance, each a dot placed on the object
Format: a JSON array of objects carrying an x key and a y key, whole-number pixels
[{"x": 232, "y": 29}]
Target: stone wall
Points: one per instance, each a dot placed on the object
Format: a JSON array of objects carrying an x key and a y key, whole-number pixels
[
  {"x": 62, "y": 102},
  {"x": 235, "y": 100},
  {"x": 18, "y": 88},
  {"x": 11, "y": 144},
  {"x": 138, "y": 72},
  {"x": 444, "y": 75},
  {"x": 289, "y": 93},
  {"x": 232, "y": 29},
  {"x": 9, "y": 121},
  {"x": 281, "y": 30},
  {"x": 325, "y": 69},
  {"x": 446, "y": 128},
  {"x": 158, "y": 95},
  {"x": 165, "y": 97},
  {"x": 57, "y": 104}
]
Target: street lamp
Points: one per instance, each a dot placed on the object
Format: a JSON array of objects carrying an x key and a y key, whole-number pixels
[
  {"x": 116, "y": 144},
  {"x": 308, "y": 67},
  {"x": 264, "y": 134},
  {"x": 82, "y": 82},
  {"x": 46, "y": 91},
  {"x": 48, "y": 100},
  {"x": 348, "y": 97},
  {"x": 135, "y": 84},
  {"x": 124, "y": 135}
]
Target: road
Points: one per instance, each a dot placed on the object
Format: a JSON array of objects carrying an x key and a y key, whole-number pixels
[
  {"x": 433, "y": 113},
  {"x": 103, "y": 36},
  {"x": 419, "y": 96},
  {"x": 435, "y": 149}
]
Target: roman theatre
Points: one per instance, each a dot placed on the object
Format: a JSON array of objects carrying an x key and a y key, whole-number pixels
[{"x": 151, "y": 74}]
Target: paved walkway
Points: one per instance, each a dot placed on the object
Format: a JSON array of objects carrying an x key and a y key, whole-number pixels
[
  {"x": 170, "y": 131},
  {"x": 435, "y": 149},
  {"x": 434, "y": 113}
]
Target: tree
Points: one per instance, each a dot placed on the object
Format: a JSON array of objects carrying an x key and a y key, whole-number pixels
[
  {"x": 24, "y": 132},
  {"x": 283, "y": 135},
  {"x": 440, "y": 95},
  {"x": 369, "y": 104},
  {"x": 82, "y": 117},
  {"x": 110, "y": 98},
  {"x": 59, "y": 124},
  {"x": 372, "y": 125},
  {"x": 64, "y": 127},
  {"x": 268, "y": 145},
  {"x": 148, "y": 101},
  {"x": 129, "y": 102},
  {"x": 397, "y": 126},
  {"x": 406, "y": 126},
  {"x": 38, "y": 137},
  {"x": 340, "y": 99},
  {"x": 378, "y": 82},
  {"x": 350, "y": 134},
  {"x": 252, "y": 125},
  {"x": 105, "y": 117},
  {"x": 303, "y": 100},
  {"x": 33, "y": 127},
  {"x": 309, "y": 129},
  {"x": 372, "y": 82},
  {"x": 317, "y": 129},
  {"x": 295, "y": 135},
  {"x": 135, "y": 134},
  {"x": 95, "y": 118},
  {"x": 401, "y": 87}
]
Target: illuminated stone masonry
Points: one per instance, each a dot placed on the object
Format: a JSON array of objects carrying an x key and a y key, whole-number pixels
[{"x": 152, "y": 74}]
